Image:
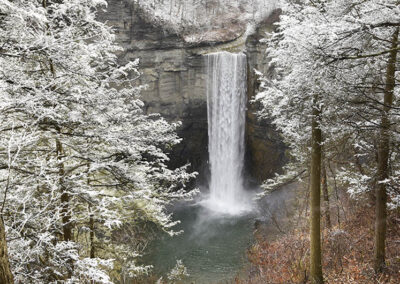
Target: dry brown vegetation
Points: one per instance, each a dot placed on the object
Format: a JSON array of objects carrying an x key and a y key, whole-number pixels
[{"x": 347, "y": 249}]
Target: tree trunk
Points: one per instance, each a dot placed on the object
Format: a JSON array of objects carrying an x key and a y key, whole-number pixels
[
  {"x": 315, "y": 194},
  {"x": 336, "y": 193},
  {"x": 66, "y": 218},
  {"x": 383, "y": 159},
  {"x": 91, "y": 234},
  {"x": 326, "y": 197},
  {"x": 91, "y": 223},
  {"x": 6, "y": 276}
]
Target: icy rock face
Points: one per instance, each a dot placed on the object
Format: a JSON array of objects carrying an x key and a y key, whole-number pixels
[
  {"x": 199, "y": 21},
  {"x": 173, "y": 68}
]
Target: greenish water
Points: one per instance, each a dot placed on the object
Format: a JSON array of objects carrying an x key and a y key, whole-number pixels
[{"x": 212, "y": 247}]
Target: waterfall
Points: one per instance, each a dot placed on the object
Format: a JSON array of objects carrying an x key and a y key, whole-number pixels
[{"x": 226, "y": 106}]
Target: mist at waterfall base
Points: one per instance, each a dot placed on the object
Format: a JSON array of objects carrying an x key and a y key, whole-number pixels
[
  {"x": 212, "y": 247},
  {"x": 218, "y": 226}
]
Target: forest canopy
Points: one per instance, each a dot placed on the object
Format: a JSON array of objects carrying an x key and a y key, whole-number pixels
[
  {"x": 86, "y": 176},
  {"x": 81, "y": 163}
]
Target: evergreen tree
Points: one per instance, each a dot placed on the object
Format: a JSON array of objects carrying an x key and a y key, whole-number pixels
[
  {"x": 80, "y": 162},
  {"x": 344, "y": 53}
]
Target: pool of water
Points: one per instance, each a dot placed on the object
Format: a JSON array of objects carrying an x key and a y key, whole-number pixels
[{"x": 212, "y": 247}]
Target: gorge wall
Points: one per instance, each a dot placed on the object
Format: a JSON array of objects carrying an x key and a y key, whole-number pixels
[{"x": 173, "y": 69}]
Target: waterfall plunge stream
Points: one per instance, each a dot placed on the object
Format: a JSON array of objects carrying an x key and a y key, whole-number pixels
[
  {"x": 218, "y": 229},
  {"x": 226, "y": 106}
]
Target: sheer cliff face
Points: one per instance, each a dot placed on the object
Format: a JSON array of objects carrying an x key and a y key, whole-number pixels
[
  {"x": 173, "y": 70},
  {"x": 265, "y": 149}
]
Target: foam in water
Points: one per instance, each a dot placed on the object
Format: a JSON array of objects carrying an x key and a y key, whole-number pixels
[{"x": 226, "y": 105}]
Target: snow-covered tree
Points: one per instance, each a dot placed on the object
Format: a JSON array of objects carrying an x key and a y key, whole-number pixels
[
  {"x": 81, "y": 164},
  {"x": 335, "y": 64}
]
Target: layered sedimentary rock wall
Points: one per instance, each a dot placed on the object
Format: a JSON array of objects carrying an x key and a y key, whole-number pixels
[{"x": 173, "y": 69}]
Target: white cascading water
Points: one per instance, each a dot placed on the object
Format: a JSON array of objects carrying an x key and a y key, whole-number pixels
[{"x": 226, "y": 105}]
